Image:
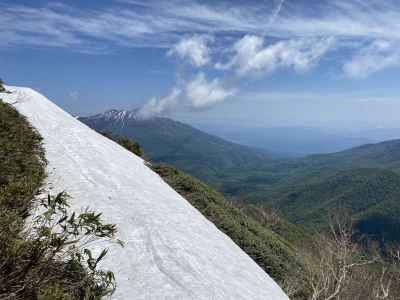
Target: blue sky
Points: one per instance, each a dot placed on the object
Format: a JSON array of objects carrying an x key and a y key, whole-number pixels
[{"x": 255, "y": 63}]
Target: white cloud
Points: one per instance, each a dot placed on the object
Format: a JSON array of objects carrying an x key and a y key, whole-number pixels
[
  {"x": 159, "y": 106},
  {"x": 142, "y": 24},
  {"x": 202, "y": 93},
  {"x": 250, "y": 54},
  {"x": 194, "y": 48},
  {"x": 154, "y": 23},
  {"x": 162, "y": 23},
  {"x": 199, "y": 93},
  {"x": 375, "y": 57}
]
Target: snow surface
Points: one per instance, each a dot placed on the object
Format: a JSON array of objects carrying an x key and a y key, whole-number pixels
[
  {"x": 171, "y": 251},
  {"x": 119, "y": 115}
]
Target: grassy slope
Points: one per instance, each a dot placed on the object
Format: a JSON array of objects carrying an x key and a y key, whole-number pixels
[
  {"x": 21, "y": 163},
  {"x": 21, "y": 174},
  {"x": 272, "y": 252},
  {"x": 294, "y": 234}
]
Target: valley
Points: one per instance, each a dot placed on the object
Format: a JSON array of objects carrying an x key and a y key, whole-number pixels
[{"x": 363, "y": 181}]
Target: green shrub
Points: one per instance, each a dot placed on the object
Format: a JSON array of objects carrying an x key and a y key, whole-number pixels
[{"x": 48, "y": 258}]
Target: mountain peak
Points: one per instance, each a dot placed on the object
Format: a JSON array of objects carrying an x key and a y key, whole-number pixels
[
  {"x": 122, "y": 115},
  {"x": 115, "y": 114}
]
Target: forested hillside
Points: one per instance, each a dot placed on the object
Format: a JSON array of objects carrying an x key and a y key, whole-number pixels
[
  {"x": 363, "y": 181},
  {"x": 371, "y": 196}
]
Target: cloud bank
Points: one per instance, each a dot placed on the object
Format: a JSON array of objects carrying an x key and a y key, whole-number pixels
[
  {"x": 203, "y": 93},
  {"x": 160, "y": 106},
  {"x": 250, "y": 54},
  {"x": 196, "y": 94}
]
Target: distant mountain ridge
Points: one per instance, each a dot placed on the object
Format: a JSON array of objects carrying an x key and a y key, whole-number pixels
[
  {"x": 179, "y": 144},
  {"x": 383, "y": 155},
  {"x": 298, "y": 141}
]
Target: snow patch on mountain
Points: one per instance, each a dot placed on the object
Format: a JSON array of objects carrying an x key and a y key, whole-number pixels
[
  {"x": 171, "y": 251},
  {"x": 119, "y": 115}
]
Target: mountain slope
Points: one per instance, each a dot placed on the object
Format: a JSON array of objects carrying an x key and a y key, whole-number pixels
[
  {"x": 171, "y": 250},
  {"x": 384, "y": 155},
  {"x": 363, "y": 181},
  {"x": 267, "y": 182},
  {"x": 363, "y": 193},
  {"x": 176, "y": 143}
]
